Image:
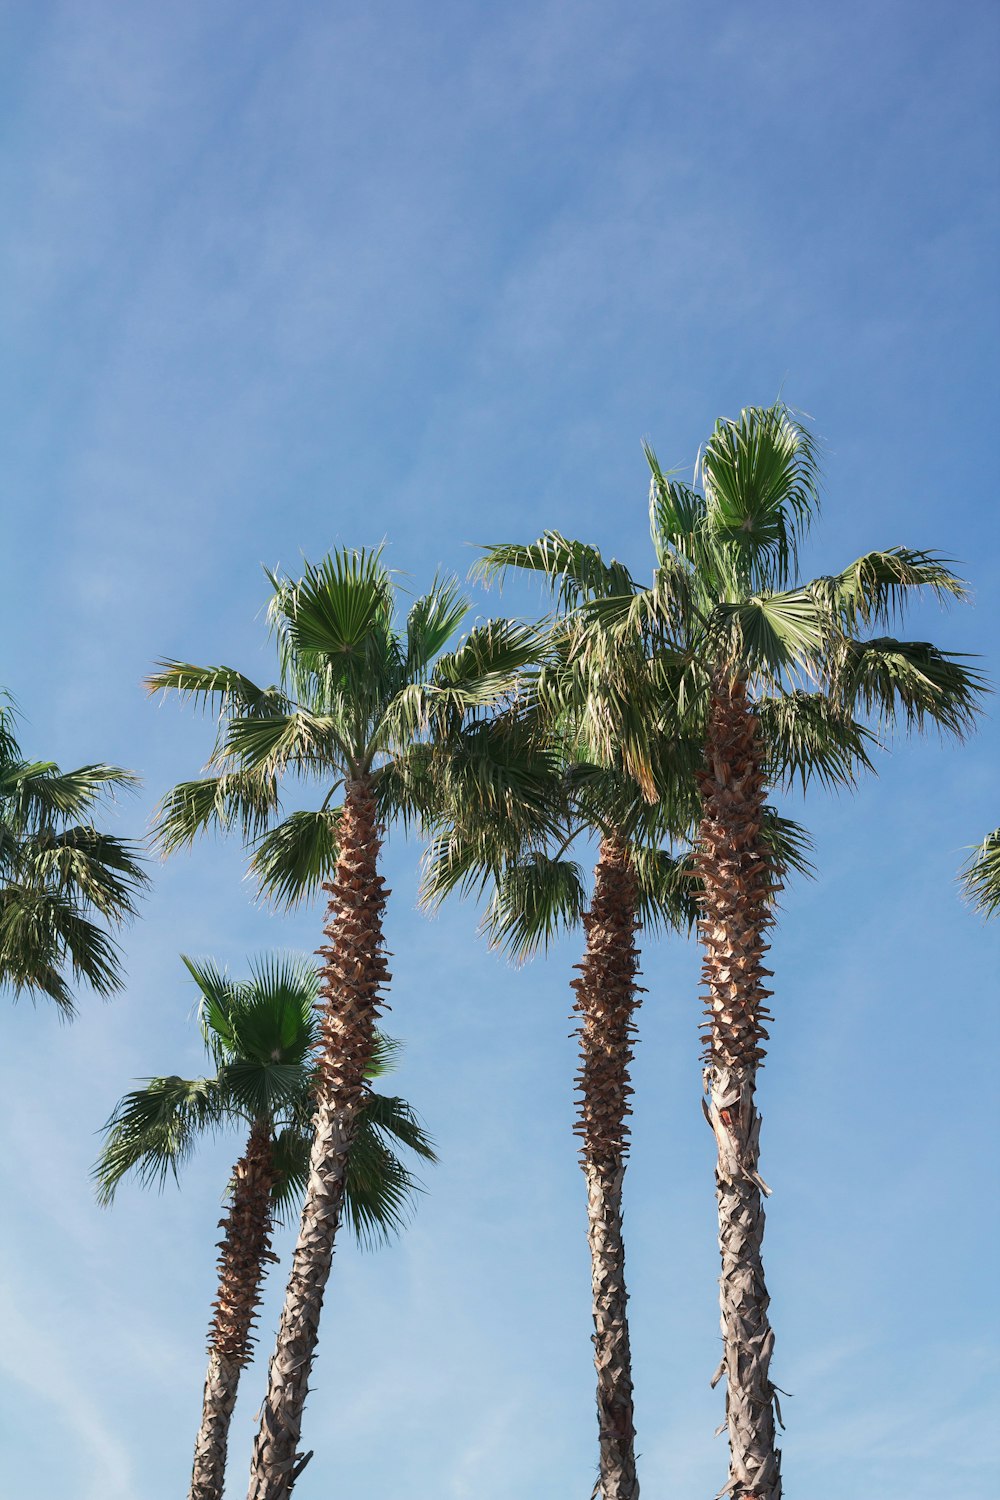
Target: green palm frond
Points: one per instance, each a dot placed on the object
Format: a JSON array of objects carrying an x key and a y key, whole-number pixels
[
  {"x": 574, "y": 571},
  {"x": 789, "y": 844},
  {"x": 981, "y": 875},
  {"x": 488, "y": 660},
  {"x": 39, "y": 796},
  {"x": 334, "y": 613},
  {"x": 760, "y": 475},
  {"x": 268, "y": 1018},
  {"x": 668, "y": 891},
  {"x": 380, "y": 1191},
  {"x": 292, "y": 860},
  {"x": 875, "y": 589},
  {"x": 221, "y": 688},
  {"x": 259, "y": 1089},
  {"x": 247, "y": 800},
  {"x": 676, "y": 515},
  {"x": 398, "y": 1122},
  {"x": 455, "y": 863},
  {"x": 42, "y": 931},
  {"x": 773, "y": 635},
  {"x": 807, "y": 737},
  {"x": 431, "y": 623},
  {"x": 268, "y": 744},
  {"x": 503, "y": 775},
  {"x": 96, "y": 868},
  {"x": 909, "y": 680},
  {"x": 534, "y": 901},
  {"x": 154, "y": 1130},
  {"x": 57, "y": 873}
]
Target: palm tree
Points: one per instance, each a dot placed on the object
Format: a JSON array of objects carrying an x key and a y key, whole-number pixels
[
  {"x": 362, "y": 703},
  {"x": 981, "y": 875},
  {"x": 260, "y": 1034},
  {"x": 517, "y": 844},
  {"x": 60, "y": 877},
  {"x": 730, "y": 640}
]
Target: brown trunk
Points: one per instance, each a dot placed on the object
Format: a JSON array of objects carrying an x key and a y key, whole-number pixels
[
  {"x": 354, "y": 973},
  {"x": 208, "y": 1478},
  {"x": 739, "y": 887},
  {"x": 244, "y": 1252},
  {"x": 606, "y": 997}
]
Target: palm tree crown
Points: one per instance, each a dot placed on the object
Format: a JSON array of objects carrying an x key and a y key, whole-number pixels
[
  {"x": 64, "y": 885},
  {"x": 260, "y": 1034},
  {"x": 361, "y": 695}
]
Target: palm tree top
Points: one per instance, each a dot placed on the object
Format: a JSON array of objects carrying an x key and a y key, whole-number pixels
[
  {"x": 363, "y": 692},
  {"x": 724, "y": 602},
  {"x": 260, "y": 1034}
]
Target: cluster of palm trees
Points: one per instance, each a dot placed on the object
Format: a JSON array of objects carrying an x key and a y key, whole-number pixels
[{"x": 650, "y": 721}]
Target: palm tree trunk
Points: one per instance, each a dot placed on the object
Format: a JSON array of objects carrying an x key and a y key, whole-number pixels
[
  {"x": 354, "y": 973},
  {"x": 739, "y": 887},
  {"x": 606, "y": 997},
  {"x": 244, "y": 1252}
]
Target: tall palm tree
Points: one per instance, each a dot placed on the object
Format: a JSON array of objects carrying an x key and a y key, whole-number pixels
[
  {"x": 64, "y": 885},
  {"x": 363, "y": 701},
  {"x": 518, "y": 845},
  {"x": 981, "y": 875},
  {"x": 731, "y": 640},
  {"x": 260, "y": 1034}
]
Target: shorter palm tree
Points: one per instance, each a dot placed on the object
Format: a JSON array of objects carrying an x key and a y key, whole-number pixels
[
  {"x": 64, "y": 886},
  {"x": 981, "y": 875},
  {"x": 261, "y": 1034}
]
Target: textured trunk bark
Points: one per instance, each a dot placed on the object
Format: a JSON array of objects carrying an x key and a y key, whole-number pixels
[
  {"x": 354, "y": 973},
  {"x": 208, "y": 1478},
  {"x": 606, "y": 997},
  {"x": 244, "y": 1252},
  {"x": 739, "y": 887}
]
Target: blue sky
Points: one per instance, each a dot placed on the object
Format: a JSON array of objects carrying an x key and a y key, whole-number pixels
[{"x": 278, "y": 279}]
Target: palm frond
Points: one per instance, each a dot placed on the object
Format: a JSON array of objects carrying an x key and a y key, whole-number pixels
[
  {"x": 875, "y": 589},
  {"x": 221, "y": 688},
  {"x": 431, "y": 623},
  {"x": 41, "y": 931},
  {"x": 292, "y": 860},
  {"x": 574, "y": 571},
  {"x": 789, "y": 844},
  {"x": 40, "y": 796},
  {"x": 535, "y": 899},
  {"x": 676, "y": 514},
  {"x": 96, "y": 868},
  {"x": 153, "y": 1131},
  {"x": 981, "y": 875},
  {"x": 245, "y": 799},
  {"x": 667, "y": 890},
  {"x": 808, "y": 737},
  {"x": 335, "y": 608},
  {"x": 760, "y": 475},
  {"x": 487, "y": 661},
  {"x": 268, "y": 745},
  {"x": 769, "y": 634},
  {"x": 380, "y": 1191},
  {"x": 909, "y": 681}
]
